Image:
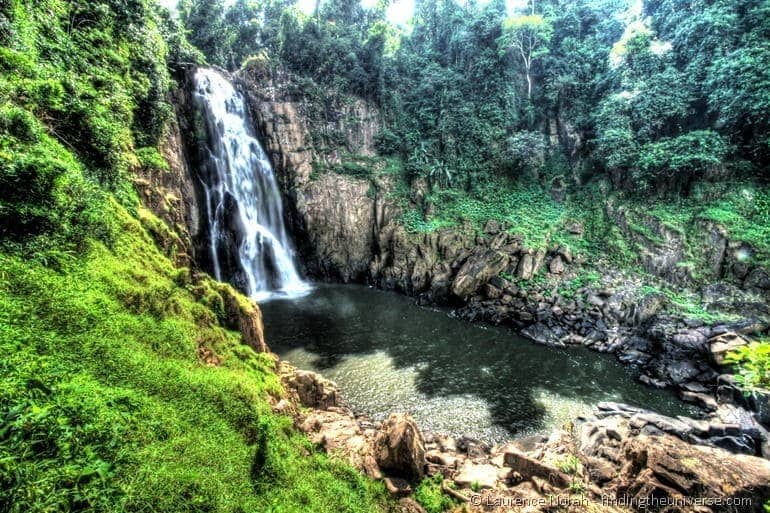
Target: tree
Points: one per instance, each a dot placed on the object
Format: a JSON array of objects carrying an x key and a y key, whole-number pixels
[
  {"x": 527, "y": 149},
  {"x": 739, "y": 95},
  {"x": 207, "y": 30},
  {"x": 528, "y": 36},
  {"x": 677, "y": 162},
  {"x": 448, "y": 94},
  {"x": 242, "y": 19}
]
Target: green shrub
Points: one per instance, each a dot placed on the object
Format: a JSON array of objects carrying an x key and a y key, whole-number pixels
[
  {"x": 680, "y": 160},
  {"x": 527, "y": 209},
  {"x": 752, "y": 363},
  {"x": 569, "y": 465},
  {"x": 387, "y": 142},
  {"x": 431, "y": 497},
  {"x": 94, "y": 73},
  {"x": 42, "y": 189},
  {"x": 150, "y": 158}
]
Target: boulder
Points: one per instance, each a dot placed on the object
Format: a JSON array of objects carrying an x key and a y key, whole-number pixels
[
  {"x": 397, "y": 487},
  {"x": 474, "y": 475},
  {"x": 399, "y": 448},
  {"x": 407, "y": 505},
  {"x": 492, "y": 227},
  {"x": 312, "y": 390},
  {"x": 441, "y": 458},
  {"x": 595, "y": 300},
  {"x": 647, "y": 307},
  {"x": 730, "y": 428},
  {"x": 667, "y": 468},
  {"x": 575, "y": 228},
  {"x": 758, "y": 278},
  {"x": 722, "y": 344},
  {"x": 244, "y": 316},
  {"x": 499, "y": 242},
  {"x": 542, "y": 334},
  {"x": 638, "y": 454},
  {"x": 477, "y": 270},
  {"x": 529, "y": 468},
  {"x": 492, "y": 292},
  {"x": 565, "y": 253},
  {"x": 760, "y": 403},
  {"x": 337, "y": 432},
  {"x": 526, "y": 267},
  {"x": 556, "y": 266}
]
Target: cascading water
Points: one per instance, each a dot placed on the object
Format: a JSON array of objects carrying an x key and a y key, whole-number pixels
[{"x": 244, "y": 209}]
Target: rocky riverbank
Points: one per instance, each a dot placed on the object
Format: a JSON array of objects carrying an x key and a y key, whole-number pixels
[{"x": 620, "y": 459}]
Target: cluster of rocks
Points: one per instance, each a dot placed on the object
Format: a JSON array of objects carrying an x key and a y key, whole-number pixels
[
  {"x": 621, "y": 459},
  {"x": 638, "y": 455}
]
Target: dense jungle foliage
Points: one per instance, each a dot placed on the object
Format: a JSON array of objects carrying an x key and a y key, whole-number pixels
[{"x": 658, "y": 95}]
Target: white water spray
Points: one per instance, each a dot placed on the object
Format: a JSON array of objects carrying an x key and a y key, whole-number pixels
[{"x": 242, "y": 188}]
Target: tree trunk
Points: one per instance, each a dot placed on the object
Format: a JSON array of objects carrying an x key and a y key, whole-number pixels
[{"x": 529, "y": 86}]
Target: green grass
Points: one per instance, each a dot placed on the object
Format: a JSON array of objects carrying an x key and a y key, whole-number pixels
[
  {"x": 742, "y": 209},
  {"x": 107, "y": 407},
  {"x": 587, "y": 278},
  {"x": 569, "y": 465},
  {"x": 527, "y": 210},
  {"x": 359, "y": 166},
  {"x": 746, "y": 216},
  {"x": 687, "y": 304},
  {"x": 431, "y": 497},
  {"x": 415, "y": 222}
]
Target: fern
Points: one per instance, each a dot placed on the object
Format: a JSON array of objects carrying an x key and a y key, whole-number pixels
[{"x": 752, "y": 363}]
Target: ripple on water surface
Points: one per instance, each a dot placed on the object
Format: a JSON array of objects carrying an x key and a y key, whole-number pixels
[{"x": 387, "y": 354}]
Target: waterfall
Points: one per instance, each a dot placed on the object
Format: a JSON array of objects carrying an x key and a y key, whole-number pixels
[{"x": 243, "y": 203}]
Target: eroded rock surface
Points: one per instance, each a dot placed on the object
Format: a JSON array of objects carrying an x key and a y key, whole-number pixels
[
  {"x": 637, "y": 455},
  {"x": 399, "y": 447},
  {"x": 244, "y": 316},
  {"x": 618, "y": 460}
]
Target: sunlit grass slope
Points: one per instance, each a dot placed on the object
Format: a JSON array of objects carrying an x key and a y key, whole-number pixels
[{"x": 106, "y": 406}]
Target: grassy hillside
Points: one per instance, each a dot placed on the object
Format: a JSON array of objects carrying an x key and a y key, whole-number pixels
[
  {"x": 120, "y": 389},
  {"x": 107, "y": 405}
]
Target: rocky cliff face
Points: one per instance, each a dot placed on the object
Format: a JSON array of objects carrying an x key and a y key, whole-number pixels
[
  {"x": 333, "y": 218},
  {"x": 170, "y": 194}
]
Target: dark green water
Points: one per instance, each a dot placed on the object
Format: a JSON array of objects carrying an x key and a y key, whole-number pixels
[{"x": 387, "y": 354}]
